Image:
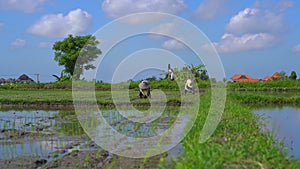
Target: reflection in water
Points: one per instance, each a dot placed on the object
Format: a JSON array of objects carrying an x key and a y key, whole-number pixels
[
  {"x": 132, "y": 129},
  {"x": 35, "y": 148},
  {"x": 123, "y": 137},
  {"x": 60, "y": 128},
  {"x": 37, "y": 133},
  {"x": 25, "y": 119},
  {"x": 285, "y": 123}
]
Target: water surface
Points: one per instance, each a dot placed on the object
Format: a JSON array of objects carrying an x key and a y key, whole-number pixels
[
  {"x": 284, "y": 122},
  {"x": 55, "y": 130}
]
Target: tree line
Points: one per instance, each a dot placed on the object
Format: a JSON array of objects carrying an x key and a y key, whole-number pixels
[{"x": 67, "y": 52}]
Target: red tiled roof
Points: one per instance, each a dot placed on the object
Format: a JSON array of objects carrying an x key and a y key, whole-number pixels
[
  {"x": 241, "y": 76},
  {"x": 267, "y": 78},
  {"x": 244, "y": 78},
  {"x": 247, "y": 78},
  {"x": 276, "y": 75}
]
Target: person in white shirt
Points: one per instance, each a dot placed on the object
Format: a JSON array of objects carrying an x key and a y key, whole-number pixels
[
  {"x": 189, "y": 86},
  {"x": 170, "y": 72}
]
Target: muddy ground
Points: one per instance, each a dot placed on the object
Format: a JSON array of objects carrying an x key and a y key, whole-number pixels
[{"x": 55, "y": 139}]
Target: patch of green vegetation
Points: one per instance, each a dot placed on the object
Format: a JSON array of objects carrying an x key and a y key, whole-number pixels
[
  {"x": 236, "y": 143},
  {"x": 23, "y": 97},
  {"x": 273, "y": 85},
  {"x": 265, "y": 98},
  {"x": 35, "y": 96},
  {"x": 165, "y": 84}
]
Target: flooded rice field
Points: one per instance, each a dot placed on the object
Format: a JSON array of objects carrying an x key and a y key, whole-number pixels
[{"x": 55, "y": 139}]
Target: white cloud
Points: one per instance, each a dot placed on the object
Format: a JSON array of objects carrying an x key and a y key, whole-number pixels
[
  {"x": 117, "y": 8},
  {"x": 27, "y": 6},
  {"x": 296, "y": 48},
  {"x": 168, "y": 29},
  {"x": 258, "y": 27},
  {"x": 165, "y": 28},
  {"x": 230, "y": 43},
  {"x": 172, "y": 44},
  {"x": 209, "y": 9},
  {"x": 59, "y": 26},
  {"x": 18, "y": 43},
  {"x": 45, "y": 44},
  {"x": 254, "y": 20},
  {"x": 277, "y": 6}
]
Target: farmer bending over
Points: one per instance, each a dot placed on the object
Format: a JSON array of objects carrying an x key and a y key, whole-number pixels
[
  {"x": 144, "y": 86},
  {"x": 189, "y": 86}
]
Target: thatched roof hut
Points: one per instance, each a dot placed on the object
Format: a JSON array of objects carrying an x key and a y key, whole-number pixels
[{"x": 24, "y": 79}]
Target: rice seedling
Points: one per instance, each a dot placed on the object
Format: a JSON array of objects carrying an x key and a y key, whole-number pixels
[{"x": 86, "y": 161}]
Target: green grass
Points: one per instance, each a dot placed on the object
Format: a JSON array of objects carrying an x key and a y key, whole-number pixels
[
  {"x": 274, "y": 85},
  {"x": 265, "y": 98},
  {"x": 155, "y": 84},
  {"x": 104, "y": 98},
  {"x": 237, "y": 142},
  {"x": 167, "y": 84}
]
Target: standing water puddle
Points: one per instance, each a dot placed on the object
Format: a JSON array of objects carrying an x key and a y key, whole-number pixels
[
  {"x": 54, "y": 134},
  {"x": 284, "y": 122},
  {"x": 22, "y": 120},
  {"x": 35, "y": 148}
]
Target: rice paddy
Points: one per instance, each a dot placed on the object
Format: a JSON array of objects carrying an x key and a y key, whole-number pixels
[{"x": 39, "y": 128}]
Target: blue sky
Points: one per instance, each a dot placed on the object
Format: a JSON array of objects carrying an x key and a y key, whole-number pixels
[{"x": 253, "y": 37}]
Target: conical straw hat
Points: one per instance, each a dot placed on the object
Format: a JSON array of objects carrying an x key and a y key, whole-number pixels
[{"x": 145, "y": 84}]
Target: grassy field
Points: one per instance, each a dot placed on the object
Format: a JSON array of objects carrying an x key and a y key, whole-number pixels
[
  {"x": 237, "y": 142},
  {"x": 274, "y": 85},
  {"x": 155, "y": 84},
  {"x": 266, "y": 98},
  {"x": 64, "y": 97},
  {"x": 61, "y": 93}
]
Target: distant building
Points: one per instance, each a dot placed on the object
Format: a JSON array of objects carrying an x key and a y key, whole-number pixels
[
  {"x": 24, "y": 79},
  {"x": 247, "y": 78},
  {"x": 275, "y": 76},
  {"x": 243, "y": 78}
]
